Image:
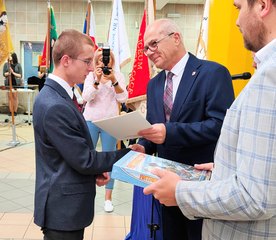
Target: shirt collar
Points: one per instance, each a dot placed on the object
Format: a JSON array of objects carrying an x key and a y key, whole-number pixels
[
  {"x": 263, "y": 53},
  {"x": 62, "y": 83},
  {"x": 180, "y": 66}
]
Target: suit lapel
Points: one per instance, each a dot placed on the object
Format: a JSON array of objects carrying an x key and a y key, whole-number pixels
[
  {"x": 159, "y": 95},
  {"x": 61, "y": 91},
  {"x": 188, "y": 78}
]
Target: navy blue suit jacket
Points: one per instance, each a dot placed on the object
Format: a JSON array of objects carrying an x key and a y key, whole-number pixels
[
  {"x": 204, "y": 94},
  {"x": 66, "y": 162}
]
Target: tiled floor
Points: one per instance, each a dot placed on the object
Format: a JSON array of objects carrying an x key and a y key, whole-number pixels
[{"x": 17, "y": 190}]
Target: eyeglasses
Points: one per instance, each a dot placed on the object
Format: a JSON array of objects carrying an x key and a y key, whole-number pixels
[
  {"x": 87, "y": 61},
  {"x": 153, "y": 46}
]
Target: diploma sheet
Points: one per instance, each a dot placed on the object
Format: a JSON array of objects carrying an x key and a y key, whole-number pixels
[{"x": 124, "y": 126}]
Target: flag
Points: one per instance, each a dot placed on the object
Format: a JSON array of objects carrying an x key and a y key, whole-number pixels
[
  {"x": 89, "y": 26},
  {"x": 46, "y": 59},
  {"x": 117, "y": 37},
  {"x": 140, "y": 74},
  {"x": 201, "y": 51},
  {"x": 5, "y": 39}
]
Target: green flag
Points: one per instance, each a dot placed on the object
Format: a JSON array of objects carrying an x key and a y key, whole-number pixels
[{"x": 53, "y": 37}]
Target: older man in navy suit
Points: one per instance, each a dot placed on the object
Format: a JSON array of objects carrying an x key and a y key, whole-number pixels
[
  {"x": 67, "y": 165},
  {"x": 186, "y": 105}
]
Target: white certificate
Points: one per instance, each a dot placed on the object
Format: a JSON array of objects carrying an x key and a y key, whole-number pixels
[{"x": 125, "y": 126}]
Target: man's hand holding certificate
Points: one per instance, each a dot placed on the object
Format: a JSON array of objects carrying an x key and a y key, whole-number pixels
[{"x": 155, "y": 134}]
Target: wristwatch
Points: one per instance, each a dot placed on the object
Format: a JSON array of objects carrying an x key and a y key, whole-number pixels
[{"x": 115, "y": 84}]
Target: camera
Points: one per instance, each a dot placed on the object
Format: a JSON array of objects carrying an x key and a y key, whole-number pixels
[{"x": 106, "y": 59}]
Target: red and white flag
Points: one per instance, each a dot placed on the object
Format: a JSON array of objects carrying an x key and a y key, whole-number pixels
[{"x": 140, "y": 74}]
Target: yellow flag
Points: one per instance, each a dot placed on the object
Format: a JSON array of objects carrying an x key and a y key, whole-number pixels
[
  {"x": 5, "y": 39},
  {"x": 225, "y": 42}
]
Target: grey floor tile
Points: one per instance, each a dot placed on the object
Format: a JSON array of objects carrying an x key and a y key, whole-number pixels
[
  {"x": 9, "y": 206},
  {"x": 13, "y": 194},
  {"x": 24, "y": 201},
  {"x": 19, "y": 176},
  {"x": 18, "y": 183}
]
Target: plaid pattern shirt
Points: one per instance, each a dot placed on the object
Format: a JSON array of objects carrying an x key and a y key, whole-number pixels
[{"x": 239, "y": 202}]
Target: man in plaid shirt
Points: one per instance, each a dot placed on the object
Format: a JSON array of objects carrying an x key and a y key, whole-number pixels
[{"x": 239, "y": 202}]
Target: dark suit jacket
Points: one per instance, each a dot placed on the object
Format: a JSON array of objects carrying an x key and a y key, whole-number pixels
[
  {"x": 203, "y": 96},
  {"x": 66, "y": 162}
]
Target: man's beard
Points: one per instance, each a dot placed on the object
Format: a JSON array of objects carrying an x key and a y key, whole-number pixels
[{"x": 256, "y": 40}]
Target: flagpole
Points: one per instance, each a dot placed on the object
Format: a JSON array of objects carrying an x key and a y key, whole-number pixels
[
  {"x": 48, "y": 37},
  {"x": 14, "y": 141},
  {"x": 202, "y": 41},
  {"x": 88, "y": 17}
]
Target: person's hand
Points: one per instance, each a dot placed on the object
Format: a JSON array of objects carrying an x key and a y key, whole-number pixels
[
  {"x": 11, "y": 71},
  {"x": 102, "y": 179},
  {"x": 164, "y": 188},
  {"x": 205, "y": 166},
  {"x": 110, "y": 77},
  {"x": 98, "y": 72},
  {"x": 155, "y": 134},
  {"x": 137, "y": 148}
]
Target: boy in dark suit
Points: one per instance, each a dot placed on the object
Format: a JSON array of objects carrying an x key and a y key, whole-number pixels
[{"x": 67, "y": 165}]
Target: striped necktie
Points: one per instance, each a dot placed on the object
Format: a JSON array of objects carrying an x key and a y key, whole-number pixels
[{"x": 168, "y": 96}]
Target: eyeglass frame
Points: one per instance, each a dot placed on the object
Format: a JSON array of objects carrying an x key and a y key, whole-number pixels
[
  {"x": 86, "y": 61},
  {"x": 154, "y": 48}
]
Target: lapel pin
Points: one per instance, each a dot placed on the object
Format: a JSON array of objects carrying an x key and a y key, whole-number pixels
[{"x": 193, "y": 73}]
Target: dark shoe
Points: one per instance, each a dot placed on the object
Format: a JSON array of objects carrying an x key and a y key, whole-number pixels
[{"x": 15, "y": 113}]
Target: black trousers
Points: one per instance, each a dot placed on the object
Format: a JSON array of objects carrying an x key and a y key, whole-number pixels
[
  {"x": 50, "y": 234},
  {"x": 177, "y": 226}
]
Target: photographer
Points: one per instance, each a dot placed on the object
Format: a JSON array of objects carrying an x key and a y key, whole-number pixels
[{"x": 103, "y": 90}]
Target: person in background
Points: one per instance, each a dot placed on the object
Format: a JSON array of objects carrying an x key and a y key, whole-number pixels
[
  {"x": 42, "y": 77},
  {"x": 239, "y": 200},
  {"x": 103, "y": 92},
  {"x": 186, "y": 105},
  {"x": 15, "y": 72},
  {"x": 67, "y": 165}
]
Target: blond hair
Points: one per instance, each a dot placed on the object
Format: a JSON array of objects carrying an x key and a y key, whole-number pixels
[{"x": 70, "y": 42}]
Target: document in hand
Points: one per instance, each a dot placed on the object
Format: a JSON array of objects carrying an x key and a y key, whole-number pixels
[
  {"x": 124, "y": 126},
  {"x": 135, "y": 168}
]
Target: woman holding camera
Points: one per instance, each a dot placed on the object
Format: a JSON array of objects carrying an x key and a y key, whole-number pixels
[
  {"x": 104, "y": 90},
  {"x": 14, "y": 70}
]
